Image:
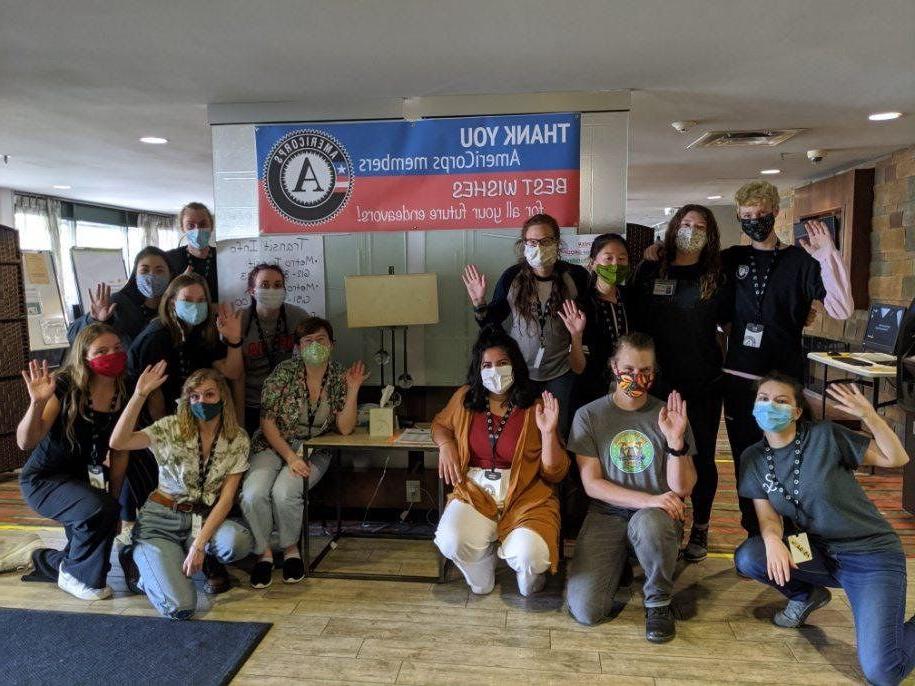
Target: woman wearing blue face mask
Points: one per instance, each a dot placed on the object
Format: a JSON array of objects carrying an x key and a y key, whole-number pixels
[
  {"x": 190, "y": 333},
  {"x": 267, "y": 328},
  {"x": 130, "y": 309},
  {"x": 803, "y": 472},
  {"x": 305, "y": 396},
  {"x": 201, "y": 453},
  {"x": 196, "y": 224}
]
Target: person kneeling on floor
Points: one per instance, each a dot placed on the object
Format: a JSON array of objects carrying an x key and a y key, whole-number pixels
[
  {"x": 182, "y": 529},
  {"x": 635, "y": 457},
  {"x": 499, "y": 448},
  {"x": 805, "y": 472}
]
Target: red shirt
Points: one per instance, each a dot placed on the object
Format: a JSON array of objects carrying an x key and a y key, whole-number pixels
[{"x": 480, "y": 449}]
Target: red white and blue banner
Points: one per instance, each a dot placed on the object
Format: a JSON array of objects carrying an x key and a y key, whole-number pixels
[{"x": 460, "y": 173}]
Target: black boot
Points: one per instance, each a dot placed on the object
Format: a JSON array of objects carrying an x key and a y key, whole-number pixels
[
  {"x": 131, "y": 571},
  {"x": 659, "y": 624},
  {"x": 217, "y": 577}
]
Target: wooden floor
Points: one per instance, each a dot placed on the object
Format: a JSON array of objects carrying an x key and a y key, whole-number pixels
[{"x": 335, "y": 631}]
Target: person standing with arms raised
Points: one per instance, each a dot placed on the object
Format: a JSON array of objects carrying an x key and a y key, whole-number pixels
[
  {"x": 775, "y": 286},
  {"x": 533, "y": 294}
]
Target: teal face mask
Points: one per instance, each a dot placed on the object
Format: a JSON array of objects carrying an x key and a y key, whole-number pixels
[
  {"x": 315, "y": 353},
  {"x": 772, "y": 416}
]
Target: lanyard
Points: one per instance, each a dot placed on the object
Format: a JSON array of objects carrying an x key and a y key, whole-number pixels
[
  {"x": 269, "y": 349},
  {"x": 193, "y": 260},
  {"x": 203, "y": 466},
  {"x": 495, "y": 433},
  {"x": 312, "y": 411},
  {"x": 97, "y": 429},
  {"x": 789, "y": 493},
  {"x": 759, "y": 287}
]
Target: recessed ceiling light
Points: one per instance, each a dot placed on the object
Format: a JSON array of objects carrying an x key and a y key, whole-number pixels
[
  {"x": 62, "y": 187},
  {"x": 713, "y": 197},
  {"x": 884, "y": 116},
  {"x": 770, "y": 171},
  {"x": 154, "y": 140}
]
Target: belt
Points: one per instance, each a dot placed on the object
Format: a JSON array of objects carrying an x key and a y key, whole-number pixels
[{"x": 162, "y": 499}]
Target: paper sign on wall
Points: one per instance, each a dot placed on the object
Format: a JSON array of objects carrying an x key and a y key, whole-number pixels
[
  {"x": 577, "y": 249},
  {"x": 301, "y": 258}
]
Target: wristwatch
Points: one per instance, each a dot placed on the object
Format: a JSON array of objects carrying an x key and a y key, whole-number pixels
[{"x": 681, "y": 452}]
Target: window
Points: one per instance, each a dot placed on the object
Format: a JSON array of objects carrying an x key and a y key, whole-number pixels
[{"x": 33, "y": 231}]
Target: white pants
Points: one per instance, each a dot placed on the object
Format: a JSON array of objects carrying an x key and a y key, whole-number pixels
[{"x": 469, "y": 539}]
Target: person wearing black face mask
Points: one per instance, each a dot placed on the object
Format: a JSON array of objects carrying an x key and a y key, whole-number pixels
[
  {"x": 183, "y": 529},
  {"x": 130, "y": 309},
  {"x": 775, "y": 286}
]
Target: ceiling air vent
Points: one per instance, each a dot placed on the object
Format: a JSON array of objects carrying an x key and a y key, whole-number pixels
[{"x": 743, "y": 139}]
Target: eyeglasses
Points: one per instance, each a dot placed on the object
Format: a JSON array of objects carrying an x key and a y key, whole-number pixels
[{"x": 537, "y": 242}]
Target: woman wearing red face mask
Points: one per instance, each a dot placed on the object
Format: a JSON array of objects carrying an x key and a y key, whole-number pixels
[{"x": 71, "y": 477}]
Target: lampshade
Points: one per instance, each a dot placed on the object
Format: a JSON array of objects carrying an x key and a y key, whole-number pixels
[{"x": 391, "y": 300}]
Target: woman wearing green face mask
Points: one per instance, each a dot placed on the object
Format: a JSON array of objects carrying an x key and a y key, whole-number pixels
[
  {"x": 605, "y": 313},
  {"x": 304, "y": 397},
  {"x": 680, "y": 301}
]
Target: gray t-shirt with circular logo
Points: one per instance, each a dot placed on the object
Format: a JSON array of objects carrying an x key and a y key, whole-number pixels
[{"x": 629, "y": 444}]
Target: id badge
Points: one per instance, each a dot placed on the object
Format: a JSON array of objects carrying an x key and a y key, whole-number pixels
[
  {"x": 97, "y": 477},
  {"x": 196, "y": 525},
  {"x": 492, "y": 475},
  {"x": 665, "y": 287},
  {"x": 799, "y": 545},
  {"x": 537, "y": 360},
  {"x": 752, "y": 335}
]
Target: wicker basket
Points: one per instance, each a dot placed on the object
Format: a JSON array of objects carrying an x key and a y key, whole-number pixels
[
  {"x": 12, "y": 302},
  {"x": 10, "y": 455},
  {"x": 13, "y": 359},
  {"x": 15, "y": 400},
  {"x": 9, "y": 245}
]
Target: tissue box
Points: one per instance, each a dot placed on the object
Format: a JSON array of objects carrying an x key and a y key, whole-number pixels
[{"x": 381, "y": 421}]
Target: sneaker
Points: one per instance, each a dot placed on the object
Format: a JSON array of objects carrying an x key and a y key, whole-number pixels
[
  {"x": 293, "y": 570},
  {"x": 131, "y": 571},
  {"x": 697, "y": 548},
  {"x": 125, "y": 538},
  {"x": 262, "y": 574},
  {"x": 75, "y": 587},
  {"x": 796, "y": 612},
  {"x": 217, "y": 577},
  {"x": 659, "y": 624}
]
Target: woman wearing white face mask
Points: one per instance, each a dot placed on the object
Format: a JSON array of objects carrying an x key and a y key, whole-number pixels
[
  {"x": 130, "y": 309},
  {"x": 196, "y": 224},
  {"x": 267, "y": 330},
  {"x": 533, "y": 294},
  {"x": 680, "y": 301},
  {"x": 499, "y": 447}
]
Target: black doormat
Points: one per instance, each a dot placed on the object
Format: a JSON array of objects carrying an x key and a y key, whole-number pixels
[{"x": 38, "y": 647}]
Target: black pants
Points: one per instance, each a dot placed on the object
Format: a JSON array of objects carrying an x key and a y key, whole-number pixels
[
  {"x": 703, "y": 409},
  {"x": 739, "y": 396},
  {"x": 141, "y": 479},
  {"x": 704, "y": 412},
  {"x": 89, "y": 518}
]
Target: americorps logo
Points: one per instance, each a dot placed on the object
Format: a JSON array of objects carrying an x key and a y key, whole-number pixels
[{"x": 308, "y": 177}]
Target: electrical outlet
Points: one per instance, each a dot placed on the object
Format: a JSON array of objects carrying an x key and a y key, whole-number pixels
[{"x": 413, "y": 494}]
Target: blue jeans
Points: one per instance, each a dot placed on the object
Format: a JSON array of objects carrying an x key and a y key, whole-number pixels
[
  {"x": 161, "y": 537},
  {"x": 875, "y": 586}
]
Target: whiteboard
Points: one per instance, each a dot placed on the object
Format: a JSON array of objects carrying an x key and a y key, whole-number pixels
[
  {"x": 301, "y": 257},
  {"x": 93, "y": 266},
  {"x": 43, "y": 304}
]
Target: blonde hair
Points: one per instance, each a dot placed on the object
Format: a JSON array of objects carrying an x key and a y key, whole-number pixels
[
  {"x": 76, "y": 372},
  {"x": 198, "y": 207},
  {"x": 187, "y": 423},
  {"x": 169, "y": 319},
  {"x": 757, "y": 193}
]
